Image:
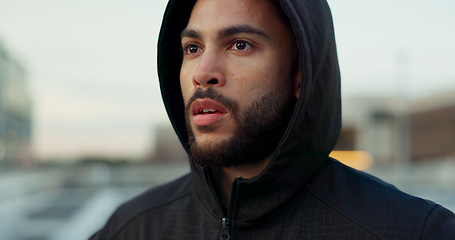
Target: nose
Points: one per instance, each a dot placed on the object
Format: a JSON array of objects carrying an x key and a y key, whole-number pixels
[{"x": 210, "y": 71}]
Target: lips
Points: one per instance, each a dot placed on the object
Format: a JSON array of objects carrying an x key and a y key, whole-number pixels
[{"x": 207, "y": 112}]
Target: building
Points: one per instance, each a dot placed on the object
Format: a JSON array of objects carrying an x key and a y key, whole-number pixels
[
  {"x": 15, "y": 113},
  {"x": 400, "y": 131},
  {"x": 168, "y": 148},
  {"x": 433, "y": 127},
  {"x": 368, "y": 126}
]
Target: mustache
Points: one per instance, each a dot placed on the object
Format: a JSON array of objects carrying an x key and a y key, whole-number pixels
[{"x": 210, "y": 93}]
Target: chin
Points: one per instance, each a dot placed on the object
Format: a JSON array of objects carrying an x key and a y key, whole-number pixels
[{"x": 212, "y": 140}]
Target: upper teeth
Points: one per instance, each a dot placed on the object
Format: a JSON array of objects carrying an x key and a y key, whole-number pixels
[{"x": 209, "y": 110}]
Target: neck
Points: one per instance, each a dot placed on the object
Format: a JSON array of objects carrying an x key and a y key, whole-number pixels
[{"x": 224, "y": 177}]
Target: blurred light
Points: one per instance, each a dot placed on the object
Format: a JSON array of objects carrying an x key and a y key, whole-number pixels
[{"x": 360, "y": 160}]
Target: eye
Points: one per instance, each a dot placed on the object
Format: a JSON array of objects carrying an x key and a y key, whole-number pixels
[
  {"x": 241, "y": 45},
  {"x": 191, "y": 49}
]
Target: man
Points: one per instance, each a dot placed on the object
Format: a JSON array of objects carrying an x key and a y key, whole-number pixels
[{"x": 257, "y": 108}]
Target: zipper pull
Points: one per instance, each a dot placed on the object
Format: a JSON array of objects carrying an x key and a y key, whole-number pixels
[{"x": 225, "y": 229}]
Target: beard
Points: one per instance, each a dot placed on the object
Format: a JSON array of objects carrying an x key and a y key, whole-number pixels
[{"x": 258, "y": 129}]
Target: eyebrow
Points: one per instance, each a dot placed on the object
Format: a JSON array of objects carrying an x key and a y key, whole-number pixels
[
  {"x": 226, "y": 32},
  {"x": 230, "y": 31},
  {"x": 191, "y": 33}
]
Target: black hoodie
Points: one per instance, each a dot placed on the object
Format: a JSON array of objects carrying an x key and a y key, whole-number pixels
[{"x": 302, "y": 193}]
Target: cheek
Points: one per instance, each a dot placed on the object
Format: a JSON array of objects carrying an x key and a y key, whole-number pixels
[
  {"x": 185, "y": 82},
  {"x": 262, "y": 75},
  {"x": 262, "y": 79}
]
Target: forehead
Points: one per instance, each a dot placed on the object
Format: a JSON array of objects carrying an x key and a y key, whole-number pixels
[{"x": 210, "y": 14}]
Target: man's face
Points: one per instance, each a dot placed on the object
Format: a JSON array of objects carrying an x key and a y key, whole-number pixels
[{"x": 239, "y": 80}]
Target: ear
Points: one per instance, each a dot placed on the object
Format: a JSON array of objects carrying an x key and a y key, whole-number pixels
[{"x": 297, "y": 83}]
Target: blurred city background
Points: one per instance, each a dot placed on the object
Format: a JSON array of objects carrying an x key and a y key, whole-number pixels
[{"x": 82, "y": 126}]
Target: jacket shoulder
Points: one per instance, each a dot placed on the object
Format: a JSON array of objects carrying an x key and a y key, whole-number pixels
[
  {"x": 378, "y": 207},
  {"x": 155, "y": 198},
  {"x": 440, "y": 224}
]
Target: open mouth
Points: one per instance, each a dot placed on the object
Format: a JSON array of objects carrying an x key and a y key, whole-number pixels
[{"x": 207, "y": 112}]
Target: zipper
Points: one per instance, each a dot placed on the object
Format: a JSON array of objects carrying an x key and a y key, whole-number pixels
[
  {"x": 225, "y": 219},
  {"x": 225, "y": 229}
]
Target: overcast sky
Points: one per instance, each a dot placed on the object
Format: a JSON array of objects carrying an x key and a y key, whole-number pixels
[{"x": 91, "y": 64}]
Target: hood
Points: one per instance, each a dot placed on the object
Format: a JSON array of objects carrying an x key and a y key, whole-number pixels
[{"x": 315, "y": 125}]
